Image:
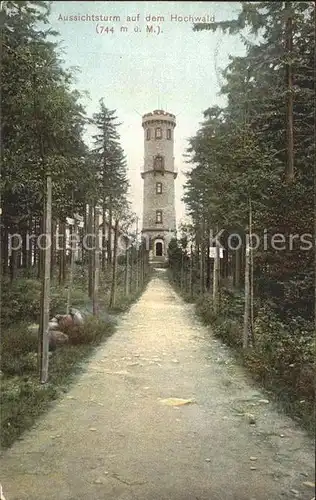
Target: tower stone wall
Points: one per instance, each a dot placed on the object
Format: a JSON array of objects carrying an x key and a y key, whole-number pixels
[{"x": 159, "y": 174}]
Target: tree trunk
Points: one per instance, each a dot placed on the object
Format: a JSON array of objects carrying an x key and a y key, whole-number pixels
[
  {"x": 64, "y": 268},
  {"x": 24, "y": 255},
  {"x": 202, "y": 259},
  {"x": 14, "y": 257},
  {"x": 62, "y": 253},
  {"x": 90, "y": 251},
  {"x": 131, "y": 269},
  {"x": 96, "y": 263},
  {"x": 251, "y": 274},
  {"x": 137, "y": 257},
  {"x": 110, "y": 233},
  {"x": 127, "y": 273},
  {"x": 289, "y": 76},
  {"x": 191, "y": 272},
  {"x": 103, "y": 237},
  {"x": 208, "y": 262},
  {"x": 216, "y": 275},
  {"x": 225, "y": 270},
  {"x": 5, "y": 249},
  {"x": 181, "y": 272},
  {"x": 315, "y": 247},
  {"x": 30, "y": 247},
  {"x": 85, "y": 252},
  {"x": 242, "y": 255},
  {"x": 141, "y": 266},
  {"x": 45, "y": 297},
  {"x": 114, "y": 266},
  {"x": 35, "y": 245},
  {"x": 40, "y": 269},
  {"x": 247, "y": 297},
  {"x": 53, "y": 252},
  {"x": 73, "y": 245},
  {"x": 237, "y": 261}
]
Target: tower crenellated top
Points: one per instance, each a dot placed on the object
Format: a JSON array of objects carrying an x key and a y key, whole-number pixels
[{"x": 159, "y": 115}]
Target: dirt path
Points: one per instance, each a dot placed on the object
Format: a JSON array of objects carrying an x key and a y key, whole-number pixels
[{"x": 112, "y": 438}]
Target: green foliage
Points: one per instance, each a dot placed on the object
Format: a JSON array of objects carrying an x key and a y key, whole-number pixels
[
  {"x": 42, "y": 119},
  {"x": 23, "y": 398},
  {"x": 282, "y": 357},
  {"x": 240, "y": 154},
  {"x": 240, "y": 151},
  {"x": 174, "y": 253},
  {"x": 108, "y": 160},
  {"x": 20, "y": 301}
]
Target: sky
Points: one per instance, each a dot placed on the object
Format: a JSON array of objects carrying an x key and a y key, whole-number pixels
[{"x": 136, "y": 71}]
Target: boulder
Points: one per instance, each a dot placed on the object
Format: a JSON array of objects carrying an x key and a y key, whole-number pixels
[
  {"x": 65, "y": 322},
  {"x": 53, "y": 324},
  {"x": 57, "y": 338},
  {"x": 77, "y": 317}
]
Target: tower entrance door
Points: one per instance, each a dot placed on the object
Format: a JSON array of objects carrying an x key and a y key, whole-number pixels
[{"x": 158, "y": 249}]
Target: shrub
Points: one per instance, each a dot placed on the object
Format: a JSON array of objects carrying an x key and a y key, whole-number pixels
[
  {"x": 93, "y": 331},
  {"x": 20, "y": 301},
  {"x": 283, "y": 355},
  {"x": 204, "y": 306}
]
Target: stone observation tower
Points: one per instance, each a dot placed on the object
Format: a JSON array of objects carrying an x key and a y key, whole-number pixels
[{"x": 159, "y": 216}]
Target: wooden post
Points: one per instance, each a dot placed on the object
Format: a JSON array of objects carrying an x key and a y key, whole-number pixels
[
  {"x": 137, "y": 256},
  {"x": 114, "y": 266},
  {"x": 14, "y": 257},
  {"x": 110, "y": 231},
  {"x": 127, "y": 276},
  {"x": 191, "y": 272},
  {"x": 41, "y": 230},
  {"x": 53, "y": 251},
  {"x": 216, "y": 272},
  {"x": 143, "y": 264},
  {"x": 202, "y": 248},
  {"x": 96, "y": 263},
  {"x": 73, "y": 244},
  {"x": 181, "y": 271},
  {"x": 90, "y": 251},
  {"x": 289, "y": 76},
  {"x": 131, "y": 269},
  {"x": 103, "y": 236},
  {"x": 5, "y": 251},
  {"x": 247, "y": 297},
  {"x": 45, "y": 297},
  {"x": 237, "y": 254},
  {"x": 251, "y": 273},
  {"x": 62, "y": 233}
]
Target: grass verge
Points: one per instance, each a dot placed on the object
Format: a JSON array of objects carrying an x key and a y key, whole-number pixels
[
  {"x": 23, "y": 398},
  {"x": 282, "y": 358}
]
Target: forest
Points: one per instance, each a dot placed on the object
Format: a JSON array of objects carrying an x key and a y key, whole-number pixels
[
  {"x": 55, "y": 190},
  {"x": 248, "y": 258}
]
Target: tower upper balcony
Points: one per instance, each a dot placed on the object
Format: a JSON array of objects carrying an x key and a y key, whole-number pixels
[{"x": 159, "y": 116}]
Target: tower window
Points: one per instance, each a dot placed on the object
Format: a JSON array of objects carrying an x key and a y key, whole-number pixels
[
  {"x": 148, "y": 134},
  {"x": 158, "y": 216},
  {"x": 169, "y": 133},
  {"x": 158, "y": 188},
  {"x": 158, "y": 133},
  {"x": 159, "y": 163}
]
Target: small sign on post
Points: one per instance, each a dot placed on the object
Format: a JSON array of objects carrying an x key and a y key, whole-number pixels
[{"x": 212, "y": 253}]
